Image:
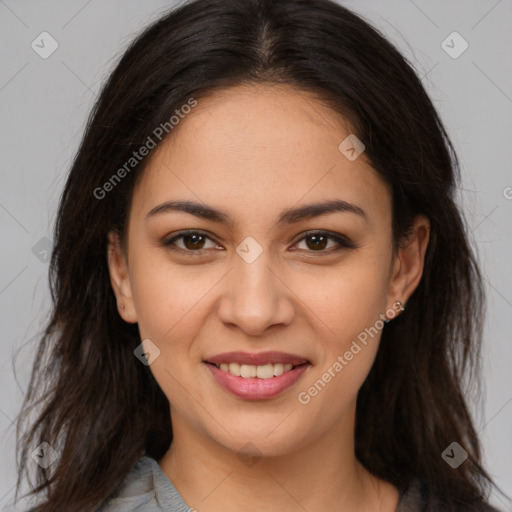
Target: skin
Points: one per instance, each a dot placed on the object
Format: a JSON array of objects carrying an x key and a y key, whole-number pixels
[{"x": 253, "y": 151}]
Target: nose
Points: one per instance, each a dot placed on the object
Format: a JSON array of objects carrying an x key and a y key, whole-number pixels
[{"x": 256, "y": 296}]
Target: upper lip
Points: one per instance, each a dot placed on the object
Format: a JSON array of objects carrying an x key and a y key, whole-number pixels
[{"x": 258, "y": 359}]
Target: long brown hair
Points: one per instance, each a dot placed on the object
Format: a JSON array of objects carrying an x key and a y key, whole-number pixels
[{"x": 100, "y": 408}]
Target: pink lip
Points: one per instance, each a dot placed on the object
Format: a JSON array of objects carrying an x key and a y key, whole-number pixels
[
  {"x": 257, "y": 359},
  {"x": 254, "y": 388}
]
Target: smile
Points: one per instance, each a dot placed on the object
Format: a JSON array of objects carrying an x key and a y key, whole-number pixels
[
  {"x": 247, "y": 371},
  {"x": 256, "y": 376}
]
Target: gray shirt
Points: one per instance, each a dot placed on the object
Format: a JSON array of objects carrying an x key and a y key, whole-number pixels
[{"x": 146, "y": 488}]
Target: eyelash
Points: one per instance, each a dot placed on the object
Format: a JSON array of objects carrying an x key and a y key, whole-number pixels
[{"x": 344, "y": 242}]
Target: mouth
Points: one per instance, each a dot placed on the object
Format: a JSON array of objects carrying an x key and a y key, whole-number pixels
[
  {"x": 251, "y": 371},
  {"x": 256, "y": 376},
  {"x": 262, "y": 365}
]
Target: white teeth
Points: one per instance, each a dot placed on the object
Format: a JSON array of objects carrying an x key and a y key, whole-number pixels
[
  {"x": 265, "y": 372},
  {"x": 247, "y": 371},
  {"x": 278, "y": 369},
  {"x": 234, "y": 368}
]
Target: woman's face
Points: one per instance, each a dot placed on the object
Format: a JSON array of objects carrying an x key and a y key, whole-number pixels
[{"x": 251, "y": 280}]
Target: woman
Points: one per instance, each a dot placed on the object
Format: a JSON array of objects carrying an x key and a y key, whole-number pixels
[{"x": 264, "y": 294}]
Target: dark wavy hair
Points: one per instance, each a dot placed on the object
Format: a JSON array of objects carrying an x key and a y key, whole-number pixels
[{"x": 86, "y": 385}]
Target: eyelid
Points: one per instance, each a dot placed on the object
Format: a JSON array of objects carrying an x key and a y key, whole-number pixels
[
  {"x": 343, "y": 242},
  {"x": 168, "y": 242}
]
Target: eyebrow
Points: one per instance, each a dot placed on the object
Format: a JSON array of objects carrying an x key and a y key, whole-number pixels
[{"x": 289, "y": 216}]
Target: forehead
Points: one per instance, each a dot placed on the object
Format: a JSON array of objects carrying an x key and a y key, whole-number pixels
[{"x": 263, "y": 146}]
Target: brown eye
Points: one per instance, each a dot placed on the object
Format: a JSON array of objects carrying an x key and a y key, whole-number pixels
[
  {"x": 318, "y": 242},
  {"x": 191, "y": 241}
]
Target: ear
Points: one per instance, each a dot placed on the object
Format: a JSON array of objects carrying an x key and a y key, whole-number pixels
[
  {"x": 120, "y": 278},
  {"x": 409, "y": 262}
]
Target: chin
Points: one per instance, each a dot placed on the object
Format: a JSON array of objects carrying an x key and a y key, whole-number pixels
[{"x": 262, "y": 439}]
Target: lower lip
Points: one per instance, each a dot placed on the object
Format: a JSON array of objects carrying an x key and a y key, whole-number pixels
[{"x": 254, "y": 388}]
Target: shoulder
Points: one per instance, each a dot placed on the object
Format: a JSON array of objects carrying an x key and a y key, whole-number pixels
[
  {"x": 414, "y": 499},
  {"x": 145, "y": 489}
]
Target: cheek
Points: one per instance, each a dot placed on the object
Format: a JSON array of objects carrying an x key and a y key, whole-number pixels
[
  {"x": 171, "y": 307},
  {"x": 348, "y": 306},
  {"x": 169, "y": 298},
  {"x": 348, "y": 299},
  {"x": 339, "y": 302},
  {"x": 336, "y": 306}
]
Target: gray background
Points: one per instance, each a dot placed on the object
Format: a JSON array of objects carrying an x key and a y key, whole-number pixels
[{"x": 43, "y": 108}]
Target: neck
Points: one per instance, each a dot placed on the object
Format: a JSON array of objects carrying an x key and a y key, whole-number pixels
[{"x": 324, "y": 474}]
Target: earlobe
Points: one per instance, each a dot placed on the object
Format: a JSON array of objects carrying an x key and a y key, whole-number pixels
[
  {"x": 409, "y": 262},
  {"x": 120, "y": 278}
]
